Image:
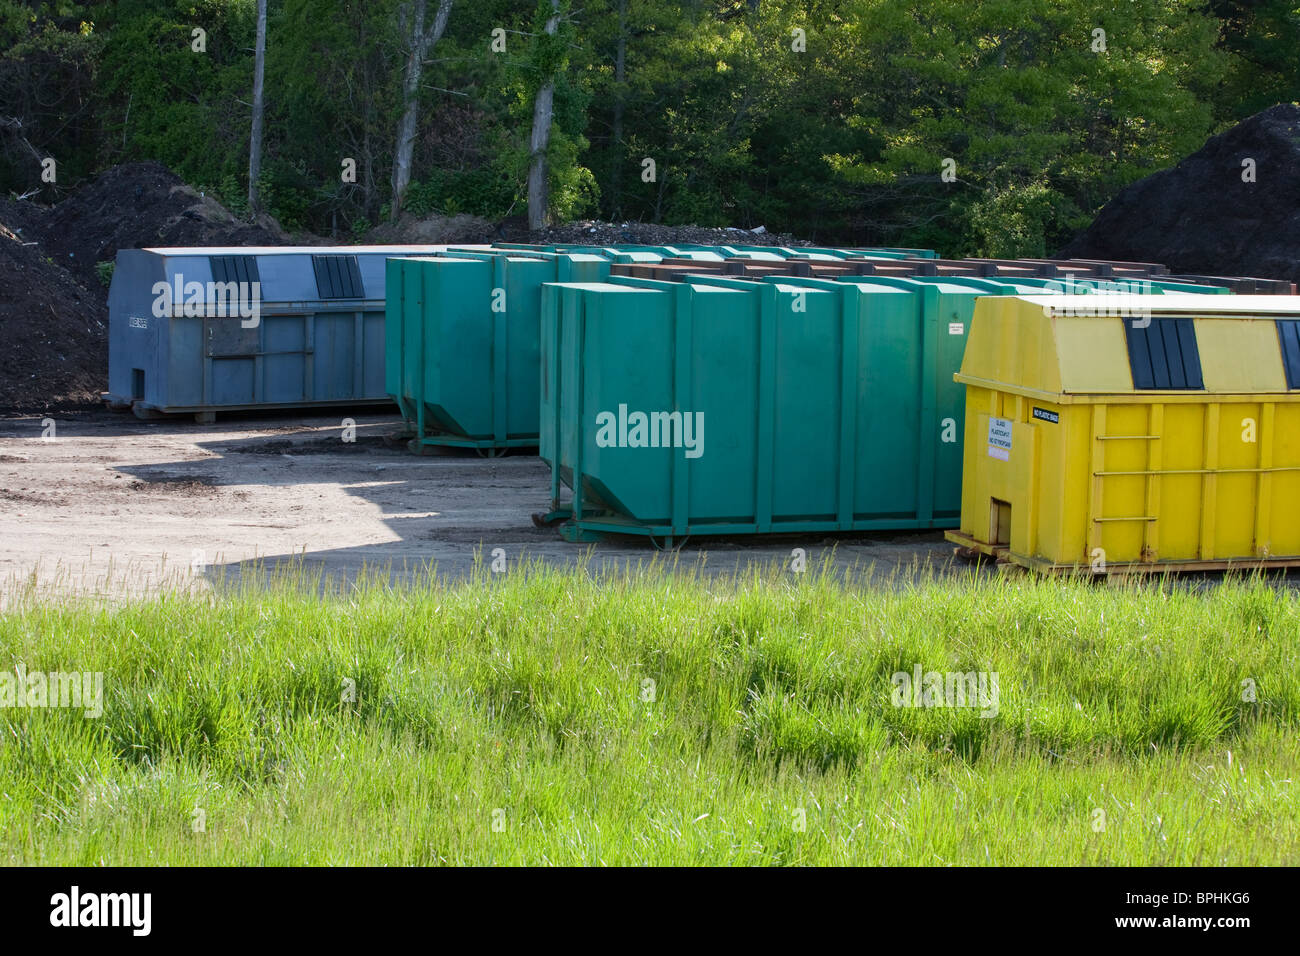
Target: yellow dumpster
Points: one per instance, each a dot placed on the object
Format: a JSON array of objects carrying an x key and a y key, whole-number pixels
[{"x": 1132, "y": 433}]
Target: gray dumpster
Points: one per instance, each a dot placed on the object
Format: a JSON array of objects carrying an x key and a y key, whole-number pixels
[{"x": 202, "y": 330}]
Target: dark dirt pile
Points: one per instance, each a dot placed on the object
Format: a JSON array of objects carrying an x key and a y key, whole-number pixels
[
  {"x": 137, "y": 205},
  {"x": 55, "y": 350},
  {"x": 53, "y": 304},
  {"x": 1201, "y": 217},
  {"x": 645, "y": 234}
]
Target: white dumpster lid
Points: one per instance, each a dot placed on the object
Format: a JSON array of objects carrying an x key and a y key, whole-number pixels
[{"x": 1111, "y": 304}]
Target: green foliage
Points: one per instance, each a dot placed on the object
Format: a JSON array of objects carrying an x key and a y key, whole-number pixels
[
  {"x": 47, "y": 79},
  {"x": 1044, "y": 117},
  {"x": 1016, "y": 221},
  {"x": 828, "y": 118},
  {"x": 333, "y": 93},
  {"x": 104, "y": 270},
  {"x": 232, "y": 194},
  {"x": 1262, "y": 37},
  {"x": 173, "y": 103},
  {"x": 479, "y": 192}
]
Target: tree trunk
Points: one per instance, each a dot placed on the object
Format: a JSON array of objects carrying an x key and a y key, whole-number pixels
[
  {"x": 418, "y": 46},
  {"x": 620, "y": 91},
  {"x": 368, "y": 170},
  {"x": 543, "y": 108},
  {"x": 255, "y": 139}
]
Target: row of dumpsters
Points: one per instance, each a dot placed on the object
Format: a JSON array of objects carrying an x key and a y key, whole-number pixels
[{"x": 1100, "y": 416}]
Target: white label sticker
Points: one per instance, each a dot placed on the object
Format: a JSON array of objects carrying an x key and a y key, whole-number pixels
[
  {"x": 1000, "y": 438},
  {"x": 956, "y": 328},
  {"x": 138, "y": 322}
]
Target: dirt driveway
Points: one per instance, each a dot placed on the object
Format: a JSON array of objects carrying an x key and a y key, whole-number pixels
[{"x": 109, "y": 504}]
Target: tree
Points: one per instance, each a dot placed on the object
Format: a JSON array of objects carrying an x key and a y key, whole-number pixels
[
  {"x": 1038, "y": 114},
  {"x": 255, "y": 138},
  {"x": 419, "y": 42},
  {"x": 336, "y": 72},
  {"x": 540, "y": 140},
  {"x": 1262, "y": 36},
  {"x": 620, "y": 108},
  {"x": 48, "y": 65},
  {"x": 167, "y": 94}
]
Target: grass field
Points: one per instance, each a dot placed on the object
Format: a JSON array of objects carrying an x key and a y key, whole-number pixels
[{"x": 548, "y": 717}]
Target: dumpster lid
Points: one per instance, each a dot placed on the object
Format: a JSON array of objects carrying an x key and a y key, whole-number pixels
[
  {"x": 601, "y": 287},
  {"x": 788, "y": 287},
  {"x": 1103, "y": 303},
  {"x": 1180, "y": 347}
]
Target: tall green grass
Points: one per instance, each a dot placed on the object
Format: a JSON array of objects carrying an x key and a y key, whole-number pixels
[{"x": 655, "y": 716}]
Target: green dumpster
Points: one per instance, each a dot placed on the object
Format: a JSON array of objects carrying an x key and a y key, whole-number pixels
[
  {"x": 725, "y": 406},
  {"x": 461, "y": 346}
]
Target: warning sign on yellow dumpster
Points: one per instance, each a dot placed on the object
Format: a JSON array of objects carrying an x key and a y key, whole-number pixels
[{"x": 1000, "y": 438}]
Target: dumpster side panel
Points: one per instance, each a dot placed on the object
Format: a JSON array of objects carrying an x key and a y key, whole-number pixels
[
  {"x": 891, "y": 370},
  {"x": 332, "y": 359},
  {"x": 723, "y": 379},
  {"x": 194, "y": 378},
  {"x": 396, "y": 291},
  {"x": 284, "y": 362},
  {"x": 1235, "y": 491},
  {"x": 943, "y": 344},
  {"x": 574, "y": 359},
  {"x": 137, "y": 338},
  {"x": 1119, "y": 495},
  {"x": 188, "y": 378},
  {"x": 626, "y": 371},
  {"x": 553, "y": 305},
  {"x": 1280, "y": 443},
  {"x": 518, "y": 393},
  {"x": 808, "y": 406},
  {"x": 459, "y": 329}
]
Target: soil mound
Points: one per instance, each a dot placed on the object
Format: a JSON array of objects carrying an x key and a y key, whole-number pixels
[
  {"x": 137, "y": 205},
  {"x": 1205, "y": 215},
  {"x": 53, "y": 302},
  {"x": 55, "y": 332}
]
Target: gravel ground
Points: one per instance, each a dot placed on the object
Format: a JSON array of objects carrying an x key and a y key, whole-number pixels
[{"x": 115, "y": 506}]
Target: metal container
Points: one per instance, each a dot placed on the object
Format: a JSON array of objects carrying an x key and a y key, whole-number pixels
[
  {"x": 813, "y": 405},
  {"x": 462, "y": 343},
  {"x": 1161, "y": 436},
  {"x": 202, "y": 330}
]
